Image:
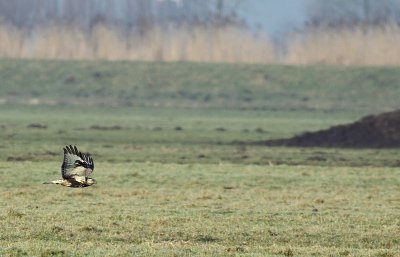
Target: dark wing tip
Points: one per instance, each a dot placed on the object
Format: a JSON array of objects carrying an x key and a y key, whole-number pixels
[
  {"x": 91, "y": 163},
  {"x": 67, "y": 149},
  {"x": 71, "y": 150},
  {"x": 84, "y": 156}
]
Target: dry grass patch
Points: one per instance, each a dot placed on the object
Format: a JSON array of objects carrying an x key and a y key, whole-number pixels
[
  {"x": 198, "y": 43},
  {"x": 374, "y": 46}
]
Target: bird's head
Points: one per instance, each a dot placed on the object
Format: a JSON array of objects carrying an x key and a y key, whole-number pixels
[
  {"x": 79, "y": 163},
  {"x": 90, "y": 181}
]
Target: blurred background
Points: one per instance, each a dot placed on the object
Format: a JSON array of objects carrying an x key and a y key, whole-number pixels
[{"x": 340, "y": 32}]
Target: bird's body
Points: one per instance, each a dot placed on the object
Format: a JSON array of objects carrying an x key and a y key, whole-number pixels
[
  {"x": 72, "y": 182},
  {"x": 75, "y": 169}
]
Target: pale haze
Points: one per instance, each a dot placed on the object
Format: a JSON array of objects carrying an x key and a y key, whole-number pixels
[{"x": 276, "y": 16}]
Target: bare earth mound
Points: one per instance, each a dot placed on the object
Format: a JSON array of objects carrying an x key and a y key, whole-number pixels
[{"x": 376, "y": 131}]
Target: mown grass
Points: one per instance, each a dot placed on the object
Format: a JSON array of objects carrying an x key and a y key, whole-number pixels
[{"x": 201, "y": 210}]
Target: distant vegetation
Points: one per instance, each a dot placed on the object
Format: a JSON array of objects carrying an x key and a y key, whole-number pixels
[
  {"x": 103, "y": 42},
  {"x": 360, "y": 32},
  {"x": 207, "y": 31}
]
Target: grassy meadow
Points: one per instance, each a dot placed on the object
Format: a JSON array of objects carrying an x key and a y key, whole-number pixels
[{"x": 178, "y": 173}]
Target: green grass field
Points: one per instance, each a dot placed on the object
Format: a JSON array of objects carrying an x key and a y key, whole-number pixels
[
  {"x": 173, "y": 179},
  {"x": 330, "y": 89}
]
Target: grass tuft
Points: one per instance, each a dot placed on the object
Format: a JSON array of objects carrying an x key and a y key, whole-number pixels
[
  {"x": 54, "y": 253},
  {"x": 207, "y": 239},
  {"x": 14, "y": 214},
  {"x": 13, "y": 252},
  {"x": 91, "y": 229},
  {"x": 288, "y": 252}
]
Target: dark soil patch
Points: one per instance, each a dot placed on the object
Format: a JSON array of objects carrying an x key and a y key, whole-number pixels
[
  {"x": 260, "y": 130},
  {"x": 98, "y": 127},
  {"x": 70, "y": 80},
  {"x": 178, "y": 128},
  {"x": 221, "y": 129},
  {"x": 37, "y": 126},
  {"x": 19, "y": 158},
  {"x": 375, "y": 131}
]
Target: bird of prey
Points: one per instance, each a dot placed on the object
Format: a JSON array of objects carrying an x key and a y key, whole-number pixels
[{"x": 75, "y": 169}]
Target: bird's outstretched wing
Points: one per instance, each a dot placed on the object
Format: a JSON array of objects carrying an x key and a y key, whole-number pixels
[{"x": 76, "y": 165}]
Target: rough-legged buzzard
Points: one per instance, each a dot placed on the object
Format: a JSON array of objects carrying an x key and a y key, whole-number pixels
[{"x": 75, "y": 169}]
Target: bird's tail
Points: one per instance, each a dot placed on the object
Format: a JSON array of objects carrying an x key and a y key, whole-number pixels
[{"x": 54, "y": 182}]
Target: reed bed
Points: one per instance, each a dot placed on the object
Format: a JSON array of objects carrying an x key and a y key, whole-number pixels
[
  {"x": 228, "y": 44},
  {"x": 376, "y": 46}
]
